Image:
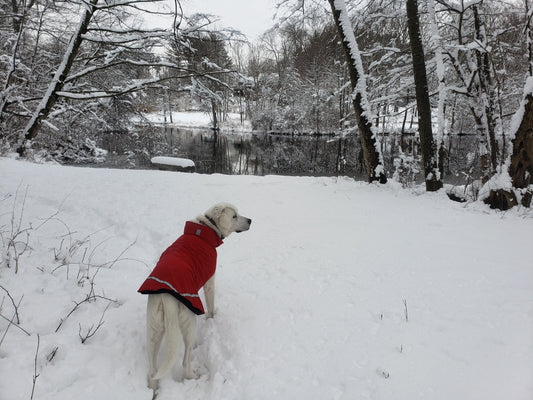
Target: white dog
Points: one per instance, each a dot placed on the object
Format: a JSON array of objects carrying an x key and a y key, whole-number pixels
[{"x": 172, "y": 287}]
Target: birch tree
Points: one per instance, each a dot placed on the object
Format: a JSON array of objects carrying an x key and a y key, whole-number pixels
[
  {"x": 471, "y": 57},
  {"x": 514, "y": 183},
  {"x": 442, "y": 88},
  {"x": 486, "y": 89},
  {"x": 369, "y": 141}
]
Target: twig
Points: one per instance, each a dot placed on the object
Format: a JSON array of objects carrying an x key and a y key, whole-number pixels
[
  {"x": 9, "y": 325},
  {"x": 88, "y": 299},
  {"x": 16, "y": 325},
  {"x": 52, "y": 354},
  {"x": 406, "y": 311},
  {"x": 16, "y": 230},
  {"x": 91, "y": 332},
  {"x": 35, "y": 374},
  {"x": 5, "y": 332},
  {"x": 123, "y": 251},
  {"x": 13, "y": 302}
]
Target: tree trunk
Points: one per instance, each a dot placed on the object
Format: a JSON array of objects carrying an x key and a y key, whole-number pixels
[
  {"x": 521, "y": 163},
  {"x": 50, "y": 97},
  {"x": 427, "y": 144},
  {"x": 369, "y": 143},
  {"x": 443, "y": 91},
  {"x": 521, "y": 168},
  {"x": 4, "y": 94},
  {"x": 529, "y": 36},
  {"x": 214, "y": 113},
  {"x": 486, "y": 91}
]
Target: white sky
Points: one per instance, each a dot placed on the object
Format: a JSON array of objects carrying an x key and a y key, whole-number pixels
[{"x": 251, "y": 17}]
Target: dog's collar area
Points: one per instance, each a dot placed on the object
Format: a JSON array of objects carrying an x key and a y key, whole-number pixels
[
  {"x": 204, "y": 231},
  {"x": 212, "y": 222}
]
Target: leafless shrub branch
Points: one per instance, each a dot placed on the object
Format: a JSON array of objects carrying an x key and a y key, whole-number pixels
[
  {"x": 92, "y": 330},
  {"x": 89, "y": 298},
  {"x": 35, "y": 374}
]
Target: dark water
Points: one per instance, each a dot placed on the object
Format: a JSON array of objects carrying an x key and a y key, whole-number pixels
[{"x": 266, "y": 154}]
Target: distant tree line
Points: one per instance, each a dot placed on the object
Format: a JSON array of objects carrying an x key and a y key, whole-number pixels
[{"x": 72, "y": 72}]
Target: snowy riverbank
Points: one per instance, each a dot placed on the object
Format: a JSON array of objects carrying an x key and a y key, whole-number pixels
[
  {"x": 198, "y": 119},
  {"x": 340, "y": 290}
]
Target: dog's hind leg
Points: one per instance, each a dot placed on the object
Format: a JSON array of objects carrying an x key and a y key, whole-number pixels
[
  {"x": 187, "y": 321},
  {"x": 170, "y": 307},
  {"x": 154, "y": 334}
]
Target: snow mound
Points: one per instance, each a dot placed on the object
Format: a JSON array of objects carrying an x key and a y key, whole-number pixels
[{"x": 173, "y": 161}]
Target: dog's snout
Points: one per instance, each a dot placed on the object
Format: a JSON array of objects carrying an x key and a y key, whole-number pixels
[{"x": 245, "y": 224}]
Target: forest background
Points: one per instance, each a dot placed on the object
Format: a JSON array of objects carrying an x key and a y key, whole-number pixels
[{"x": 77, "y": 75}]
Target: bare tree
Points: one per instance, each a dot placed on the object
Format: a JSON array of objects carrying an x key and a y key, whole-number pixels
[
  {"x": 369, "y": 141},
  {"x": 58, "y": 81},
  {"x": 520, "y": 164},
  {"x": 486, "y": 89},
  {"x": 428, "y": 147},
  {"x": 101, "y": 59}
]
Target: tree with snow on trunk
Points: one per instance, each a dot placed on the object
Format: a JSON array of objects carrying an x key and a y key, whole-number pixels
[
  {"x": 51, "y": 95},
  {"x": 513, "y": 185},
  {"x": 369, "y": 141}
]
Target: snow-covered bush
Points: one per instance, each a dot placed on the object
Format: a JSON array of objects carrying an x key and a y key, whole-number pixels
[{"x": 406, "y": 169}]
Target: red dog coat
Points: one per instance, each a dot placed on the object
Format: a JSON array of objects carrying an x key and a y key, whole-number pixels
[{"x": 186, "y": 266}]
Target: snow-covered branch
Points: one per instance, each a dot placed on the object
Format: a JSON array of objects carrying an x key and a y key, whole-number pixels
[{"x": 118, "y": 91}]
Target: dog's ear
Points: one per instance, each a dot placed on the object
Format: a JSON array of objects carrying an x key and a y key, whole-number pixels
[{"x": 216, "y": 211}]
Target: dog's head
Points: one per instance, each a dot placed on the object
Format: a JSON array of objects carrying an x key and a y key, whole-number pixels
[{"x": 225, "y": 219}]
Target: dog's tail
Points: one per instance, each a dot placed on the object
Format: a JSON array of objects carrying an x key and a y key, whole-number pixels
[{"x": 172, "y": 333}]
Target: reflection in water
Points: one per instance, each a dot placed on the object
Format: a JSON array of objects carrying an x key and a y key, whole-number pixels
[
  {"x": 265, "y": 154},
  {"x": 269, "y": 154}
]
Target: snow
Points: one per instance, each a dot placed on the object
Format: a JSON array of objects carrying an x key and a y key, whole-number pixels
[
  {"x": 340, "y": 290},
  {"x": 174, "y": 161},
  {"x": 197, "y": 119}
]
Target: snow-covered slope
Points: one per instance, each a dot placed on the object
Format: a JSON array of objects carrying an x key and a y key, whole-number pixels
[{"x": 340, "y": 290}]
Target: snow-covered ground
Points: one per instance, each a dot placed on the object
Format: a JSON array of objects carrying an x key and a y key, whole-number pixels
[
  {"x": 198, "y": 119},
  {"x": 340, "y": 290}
]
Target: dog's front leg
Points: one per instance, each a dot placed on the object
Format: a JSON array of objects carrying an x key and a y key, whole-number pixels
[{"x": 209, "y": 291}]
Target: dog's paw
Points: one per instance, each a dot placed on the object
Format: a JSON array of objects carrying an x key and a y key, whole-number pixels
[
  {"x": 153, "y": 383},
  {"x": 210, "y": 315},
  {"x": 193, "y": 375}
]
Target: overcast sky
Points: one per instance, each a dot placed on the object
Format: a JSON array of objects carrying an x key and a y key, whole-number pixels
[{"x": 251, "y": 17}]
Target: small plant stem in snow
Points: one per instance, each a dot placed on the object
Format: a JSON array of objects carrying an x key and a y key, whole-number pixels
[
  {"x": 406, "y": 310},
  {"x": 13, "y": 302},
  {"x": 11, "y": 322},
  {"x": 88, "y": 299},
  {"x": 35, "y": 374},
  {"x": 92, "y": 330},
  {"x": 15, "y": 324}
]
